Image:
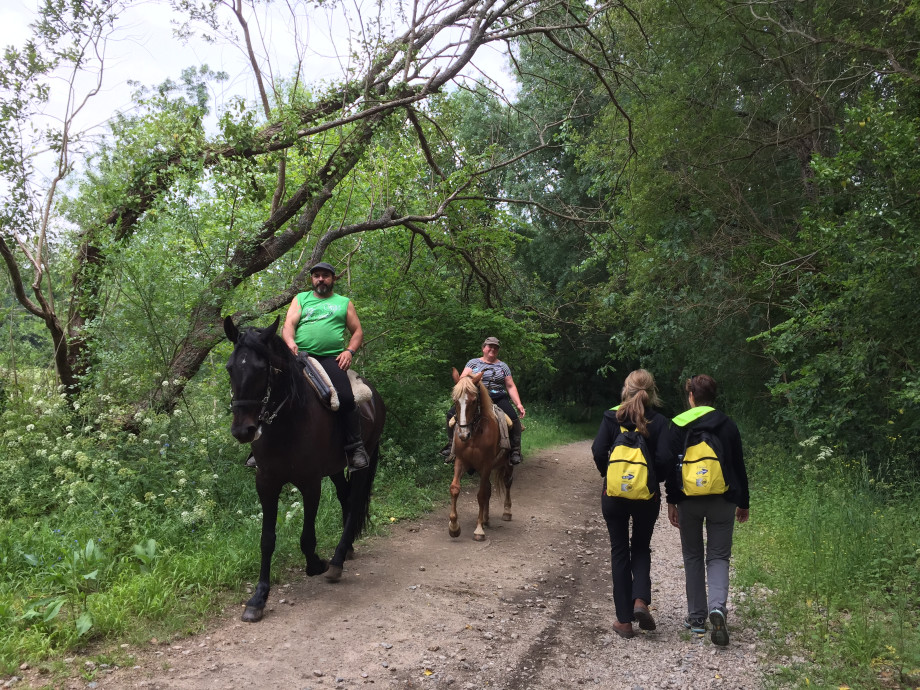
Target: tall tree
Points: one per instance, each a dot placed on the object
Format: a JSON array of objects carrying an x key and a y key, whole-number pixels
[{"x": 166, "y": 160}]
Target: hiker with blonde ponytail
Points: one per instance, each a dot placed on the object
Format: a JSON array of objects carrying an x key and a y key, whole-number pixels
[{"x": 631, "y": 493}]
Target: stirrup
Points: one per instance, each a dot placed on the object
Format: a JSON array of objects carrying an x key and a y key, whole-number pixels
[{"x": 251, "y": 461}]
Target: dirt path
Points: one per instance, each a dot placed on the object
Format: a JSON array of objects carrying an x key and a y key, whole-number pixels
[{"x": 530, "y": 608}]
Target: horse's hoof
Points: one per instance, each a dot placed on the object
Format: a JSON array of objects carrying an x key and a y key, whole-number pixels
[
  {"x": 317, "y": 568},
  {"x": 252, "y": 614},
  {"x": 334, "y": 573},
  {"x": 453, "y": 532},
  {"x": 506, "y": 517},
  {"x": 479, "y": 537}
]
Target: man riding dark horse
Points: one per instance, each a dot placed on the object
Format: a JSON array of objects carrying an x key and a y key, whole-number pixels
[{"x": 315, "y": 325}]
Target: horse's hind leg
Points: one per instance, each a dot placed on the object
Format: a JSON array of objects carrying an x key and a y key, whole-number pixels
[
  {"x": 484, "y": 496},
  {"x": 509, "y": 477},
  {"x": 341, "y": 485},
  {"x": 268, "y": 497},
  {"x": 311, "y": 494},
  {"x": 354, "y": 492}
]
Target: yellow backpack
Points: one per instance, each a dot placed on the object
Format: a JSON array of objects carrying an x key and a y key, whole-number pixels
[
  {"x": 701, "y": 464},
  {"x": 629, "y": 474}
]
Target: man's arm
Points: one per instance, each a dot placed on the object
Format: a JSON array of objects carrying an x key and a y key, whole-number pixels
[
  {"x": 353, "y": 324},
  {"x": 290, "y": 325}
]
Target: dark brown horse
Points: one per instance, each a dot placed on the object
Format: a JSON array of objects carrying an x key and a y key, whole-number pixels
[
  {"x": 295, "y": 440},
  {"x": 477, "y": 447}
]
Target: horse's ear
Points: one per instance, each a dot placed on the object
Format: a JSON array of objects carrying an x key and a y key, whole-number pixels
[
  {"x": 477, "y": 377},
  {"x": 453, "y": 371},
  {"x": 233, "y": 333},
  {"x": 273, "y": 329}
]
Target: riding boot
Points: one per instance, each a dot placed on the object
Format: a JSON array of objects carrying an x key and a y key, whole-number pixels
[
  {"x": 448, "y": 453},
  {"x": 514, "y": 438},
  {"x": 354, "y": 446}
]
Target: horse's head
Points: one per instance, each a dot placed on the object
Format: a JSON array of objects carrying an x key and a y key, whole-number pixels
[
  {"x": 467, "y": 402},
  {"x": 250, "y": 366}
]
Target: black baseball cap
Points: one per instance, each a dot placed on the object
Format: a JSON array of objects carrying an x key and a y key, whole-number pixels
[{"x": 323, "y": 266}]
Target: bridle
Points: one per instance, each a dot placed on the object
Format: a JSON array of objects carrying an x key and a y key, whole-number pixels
[
  {"x": 473, "y": 425},
  {"x": 265, "y": 416}
]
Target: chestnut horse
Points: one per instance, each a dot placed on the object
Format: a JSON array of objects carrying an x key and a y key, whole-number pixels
[
  {"x": 295, "y": 439},
  {"x": 476, "y": 447}
]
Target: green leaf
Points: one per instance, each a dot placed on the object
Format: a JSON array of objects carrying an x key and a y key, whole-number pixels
[
  {"x": 53, "y": 609},
  {"x": 84, "y": 623}
]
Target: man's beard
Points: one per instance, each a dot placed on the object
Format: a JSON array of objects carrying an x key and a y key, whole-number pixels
[{"x": 323, "y": 289}]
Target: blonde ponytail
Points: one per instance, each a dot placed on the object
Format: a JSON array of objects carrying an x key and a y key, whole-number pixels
[{"x": 639, "y": 393}]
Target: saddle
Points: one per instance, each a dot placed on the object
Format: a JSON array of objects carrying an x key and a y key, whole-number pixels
[{"x": 319, "y": 381}]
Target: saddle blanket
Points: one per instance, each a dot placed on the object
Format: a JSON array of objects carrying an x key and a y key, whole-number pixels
[{"x": 319, "y": 380}]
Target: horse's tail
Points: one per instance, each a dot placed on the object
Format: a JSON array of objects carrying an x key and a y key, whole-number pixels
[
  {"x": 364, "y": 480},
  {"x": 363, "y": 485}
]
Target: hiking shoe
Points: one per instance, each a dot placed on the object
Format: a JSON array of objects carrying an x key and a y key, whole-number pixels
[
  {"x": 695, "y": 625},
  {"x": 624, "y": 630},
  {"x": 644, "y": 617},
  {"x": 719, "y": 634}
]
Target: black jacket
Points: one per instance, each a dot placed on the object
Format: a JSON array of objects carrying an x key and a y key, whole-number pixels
[
  {"x": 720, "y": 425},
  {"x": 610, "y": 429}
]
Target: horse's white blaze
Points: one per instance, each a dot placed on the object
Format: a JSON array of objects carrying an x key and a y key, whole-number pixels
[{"x": 464, "y": 429}]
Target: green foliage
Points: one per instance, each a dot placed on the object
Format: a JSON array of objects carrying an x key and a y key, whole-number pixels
[
  {"x": 846, "y": 364},
  {"x": 828, "y": 566}
]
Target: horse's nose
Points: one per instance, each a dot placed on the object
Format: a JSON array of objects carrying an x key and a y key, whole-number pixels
[{"x": 244, "y": 432}]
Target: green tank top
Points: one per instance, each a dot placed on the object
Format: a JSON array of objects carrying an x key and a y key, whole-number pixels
[{"x": 321, "y": 329}]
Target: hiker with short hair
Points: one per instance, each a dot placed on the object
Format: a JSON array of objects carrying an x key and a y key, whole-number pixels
[{"x": 706, "y": 487}]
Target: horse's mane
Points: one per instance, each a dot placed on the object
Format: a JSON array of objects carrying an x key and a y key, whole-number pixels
[
  {"x": 279, "y": 357},
  {"x": 465, "y": 386}
]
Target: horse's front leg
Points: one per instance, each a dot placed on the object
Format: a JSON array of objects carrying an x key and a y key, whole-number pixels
[
  {"x": 484, "y": 496},
  {"x": 311, "y": 494},
  {"x": 453, "y": 525},
  {"x": 268, "y": 497}
]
